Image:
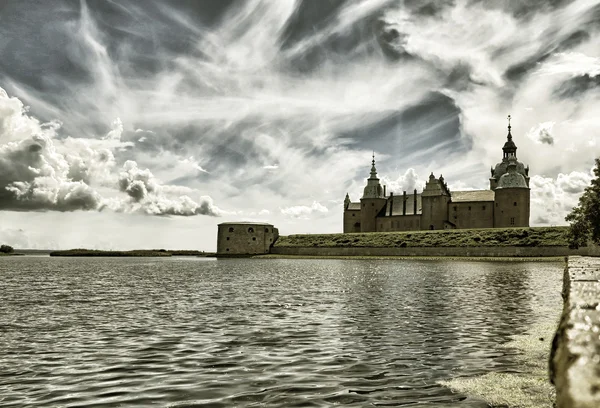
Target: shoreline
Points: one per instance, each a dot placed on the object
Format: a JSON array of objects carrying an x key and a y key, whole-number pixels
[{"x": 417, "y": 258}]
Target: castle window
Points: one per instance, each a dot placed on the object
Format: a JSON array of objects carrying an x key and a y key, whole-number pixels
[
  {"x": 266, "y": 230},
  {"x": 230, "y": 229},
  {"x": 250, "y": 229},
  {"x": 253, "y": 238},
  {"x": 483, "y": 208},
  {"x": 227, "y": 238},
  {"x": 353, "y": 214},
  {"x": 227, "y": 250},
  {"x": 372, "y": 204},
  {"x": 455, "y": 208},
  {"x": 512, "y": 221},
  {"x": 515, "y": 203},
  {"x": 496, "y": 205},
  {"x": 469, "y": 208}
]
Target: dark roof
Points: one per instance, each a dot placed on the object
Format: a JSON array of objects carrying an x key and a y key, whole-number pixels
[
  {"x": 246, "y": 223},
  {"x": 353, "y": 206},
  {"x": 472, "y": 195},
  {"x": 397, "y": 205}
]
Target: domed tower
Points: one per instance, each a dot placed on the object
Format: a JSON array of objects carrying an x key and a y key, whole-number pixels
[
  {"x": 509, "y": 150},
  {"x": 512, "y": 205},
  {"x": 372, "y": 201}
]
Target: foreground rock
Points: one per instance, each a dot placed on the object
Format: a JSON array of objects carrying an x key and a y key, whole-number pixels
[{"x": 575, "y": 358}]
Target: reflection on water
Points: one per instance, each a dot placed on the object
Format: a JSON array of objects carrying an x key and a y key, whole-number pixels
[{"x": 194, "y": 332}]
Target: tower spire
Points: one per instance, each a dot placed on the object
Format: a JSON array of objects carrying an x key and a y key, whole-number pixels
[
  {"x": 373, "y": 169},
  {"x": 509, "y": 149}
]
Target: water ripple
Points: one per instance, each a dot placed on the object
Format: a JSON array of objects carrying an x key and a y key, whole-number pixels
[{"x": 169, "y": 332}]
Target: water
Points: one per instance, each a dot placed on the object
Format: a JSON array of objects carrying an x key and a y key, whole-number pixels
[{"x": 248, "y": 333}]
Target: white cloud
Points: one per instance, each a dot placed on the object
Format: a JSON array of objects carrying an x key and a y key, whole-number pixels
[
  {"x": 41, "y": 172},
  {"x": 303, "y": 211},
  {"x": 571, "y": 63},
  {"x": 405, "y": 182},
  {"x": 553, "y": 198},
  {"x": 542, "y": 133}
]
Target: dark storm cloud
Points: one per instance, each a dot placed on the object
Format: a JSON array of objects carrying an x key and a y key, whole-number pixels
[
  {"x": 578, "y": 86},
  {"x": 31, "y": 180}
]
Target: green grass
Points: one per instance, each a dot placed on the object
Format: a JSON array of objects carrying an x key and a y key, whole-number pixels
[
  {"x": 134, "y": 253},
  {"x": 520, "y": 237},
  {"x": 418, "y": 258}
]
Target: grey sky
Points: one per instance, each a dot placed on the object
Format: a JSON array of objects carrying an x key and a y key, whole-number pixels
[{"x": 144, "y": 124}]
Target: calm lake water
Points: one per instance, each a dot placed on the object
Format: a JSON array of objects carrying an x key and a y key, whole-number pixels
[{"x": 249, "y": 333}]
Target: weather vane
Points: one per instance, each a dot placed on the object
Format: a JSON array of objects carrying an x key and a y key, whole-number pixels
[{"x": 509, "y": 122}]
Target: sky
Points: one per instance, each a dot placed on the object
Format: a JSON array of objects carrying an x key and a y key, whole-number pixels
[{"x": 128, "y": 124}]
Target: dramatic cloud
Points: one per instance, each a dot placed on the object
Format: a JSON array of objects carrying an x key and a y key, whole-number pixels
[
  {"x": 41, "y": 172},
  {"x": 148, "y": 195},
  {"x": 267, "y": 104},
  {"x": 405, "y": 182}
]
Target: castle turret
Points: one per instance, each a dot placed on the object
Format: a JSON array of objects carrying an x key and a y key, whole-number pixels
[
  {"x": 509, "y": 150},
  {"x": 372, "y": 201},
  {"x": 512, "y": 198},
  {"x": 434, "y": 203},
  {"x": 346, "y": 201}
]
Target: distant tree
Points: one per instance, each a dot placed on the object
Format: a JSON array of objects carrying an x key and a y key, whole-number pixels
[
  {"x": 6, "y": 249},
  {"x": 585, "y": 218}
]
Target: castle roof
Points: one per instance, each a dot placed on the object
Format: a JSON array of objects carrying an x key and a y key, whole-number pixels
[
  {"x": 396, "y": 203},
  {"x": 246, "y": 223},
  {"x": 354, "y": 206},
  {"x": 472, "y": 195}
]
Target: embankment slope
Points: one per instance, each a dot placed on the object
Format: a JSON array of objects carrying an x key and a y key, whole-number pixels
[{"x": 499, "y": 242}]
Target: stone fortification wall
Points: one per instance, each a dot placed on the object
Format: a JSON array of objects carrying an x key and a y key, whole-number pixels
[
  {"x": 575, "y": 358},
  {"x": 351, "y": 221},
  {"x": 241, "y": 239},
  {"x": 472, "y": 214},
  {"x": 431, "y": 251}
]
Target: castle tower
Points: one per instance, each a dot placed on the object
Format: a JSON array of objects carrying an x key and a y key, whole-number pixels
[
  {"x": 512, "y": 198},
  {"x": 372, "y": 201},
  {"x": 434, "y": 203},
  {"x": 509, "y": 150}
]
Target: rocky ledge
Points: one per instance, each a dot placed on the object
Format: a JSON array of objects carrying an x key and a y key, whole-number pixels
[{"x": 575, "y": 357}]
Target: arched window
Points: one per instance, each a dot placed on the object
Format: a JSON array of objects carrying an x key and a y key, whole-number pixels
[
  {"x": 230, "y": 229},
  {"x": 251, "y": 230},
  {"x": 431, "y": 227},
  {"x": 266, "y": 230},
  {"x": 515, "y": 203}
]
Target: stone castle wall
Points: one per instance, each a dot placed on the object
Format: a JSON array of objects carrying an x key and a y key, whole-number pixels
[
  {"x": 477, "y": 214},
  {"x": 235, "y": 239}
]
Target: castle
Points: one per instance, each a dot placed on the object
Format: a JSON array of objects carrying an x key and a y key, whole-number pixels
[{"x": 505, "y": 204}]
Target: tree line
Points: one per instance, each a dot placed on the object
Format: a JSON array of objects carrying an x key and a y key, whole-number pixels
[{"x": 585, "y": 218}]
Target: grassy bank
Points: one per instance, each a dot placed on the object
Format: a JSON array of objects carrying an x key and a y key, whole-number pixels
[
  {"x": 519, "y": 237},
  {"x": 421, "y": 258},
  {"x": 133, "y": 253}
]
